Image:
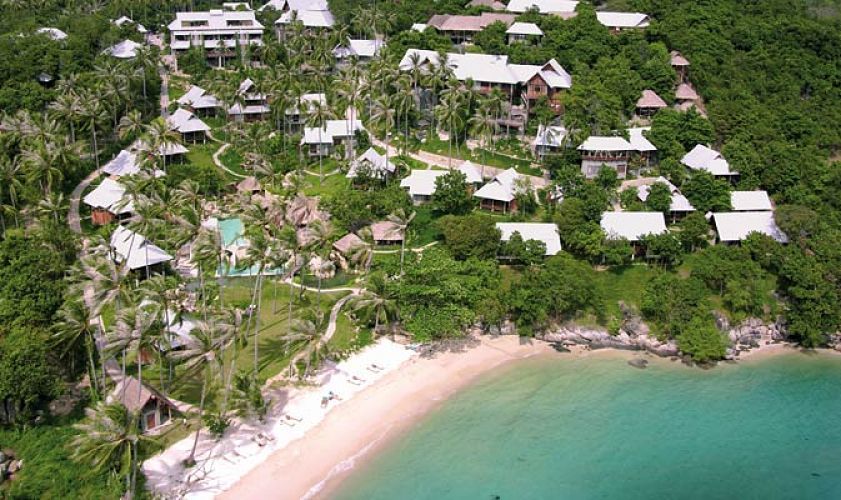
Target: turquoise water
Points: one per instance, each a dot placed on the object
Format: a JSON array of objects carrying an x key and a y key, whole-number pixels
[
  {"x": 231, "y": 231},
  {"x": 598, "y": 428}
]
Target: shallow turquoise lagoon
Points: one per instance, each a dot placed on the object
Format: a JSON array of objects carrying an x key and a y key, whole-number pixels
[{"x": 598, "y": 428}]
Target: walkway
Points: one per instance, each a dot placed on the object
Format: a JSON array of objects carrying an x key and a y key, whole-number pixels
[
  {"x": 419, "y": 249},
  {"x": 450, "y": 163},
  {"x": 73, "y": 218},
  {"x": 218, "y": 162},
  {"x": 164, "y": 92}
]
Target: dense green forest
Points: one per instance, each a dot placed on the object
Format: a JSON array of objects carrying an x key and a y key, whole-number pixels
[{"x": 769, "y": 72}]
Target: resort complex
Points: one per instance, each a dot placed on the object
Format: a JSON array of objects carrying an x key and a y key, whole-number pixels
[{"x": 243, "y": 242}]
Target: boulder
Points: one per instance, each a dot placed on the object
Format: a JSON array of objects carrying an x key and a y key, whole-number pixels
[
  {"x": 15, "y": 465},
  {"x": 638, "y": 362}
]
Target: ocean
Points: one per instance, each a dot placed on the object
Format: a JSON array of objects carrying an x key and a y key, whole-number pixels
[{"x": 597, "y": 428}]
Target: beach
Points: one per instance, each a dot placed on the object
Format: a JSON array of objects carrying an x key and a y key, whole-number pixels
[{"x": 308, "y": 467}]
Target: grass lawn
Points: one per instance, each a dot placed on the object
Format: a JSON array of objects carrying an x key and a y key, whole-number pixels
[
  {"x": 232, "y": 159},
  {"x": 274, "y": 355},
  {"x": 624, "y": 283},
  {"x": 202, "y": 154},
  {"x": 423, "y": 229},
  {"x": 329, "y": 185},
  {"x": 486, "y": 157},
  {"x": 347, "y": 337},
  {"x": 341, "y": 279}
]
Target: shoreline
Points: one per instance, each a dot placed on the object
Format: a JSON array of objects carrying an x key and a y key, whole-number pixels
[{"x": 316, "y": 464}]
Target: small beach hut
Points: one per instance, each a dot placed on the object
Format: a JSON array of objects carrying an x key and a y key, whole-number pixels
[
  {"x": 386, "y": 233},
  {"x": 154, "y": 408},
  {"x": 649, "y": 103}
]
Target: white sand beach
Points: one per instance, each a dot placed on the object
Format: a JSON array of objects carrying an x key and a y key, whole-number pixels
[{"x": 309, "y": 466}]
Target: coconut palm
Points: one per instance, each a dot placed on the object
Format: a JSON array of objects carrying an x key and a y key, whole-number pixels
[
  {"x": 41, "y": 167},
  {"x": 94, "y": 113},
  {"x": 450, "y": 113},
  {"x": 383, "y": 116},
  {"x": 144, "y": 59},
  {"x": 321, "y": 241},
  {"x": 52, "y": 206},
  {"x": 161, "y": 138},
  {"x": 131, "y": 125},
  {"x": 110, "y": 439},
  {"x": 66, "y": 107},
  {"x": 132, "y": 331},
  {"x": 75, "y": 330},
  {"x": 404, "y": 101},
  {"x": 318, "y": 115},
  {"x": 200, "y": 356},
  {"x": 401, "y": 220},
  {"x": 10, "y": 173},
  {"x": 375, "y": 305}
]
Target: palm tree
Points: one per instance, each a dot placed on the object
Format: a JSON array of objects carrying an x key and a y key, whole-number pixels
[
  {"x": 401, "y": 220},
  {"x": 201, "y": 355},
  {"x": 131, "y": 125},
  {"x": 109, "y": 439},
  {"x": 66, "y": 107},
  {"x": 132, "y": 331},
  {"x": 10, "y": 170},
  {"x": 375, "y": 304},
  {"x": 483, "y": 124},
  {"x": 93, "y": 112},
  {"x": 404, "y": 100},
  {"x": 53, "y": 206},
  {"x": 144, "y": 60},
  {"x": 257, "y": 254},
  {"x": 383, "y": 116},
  {"x": 74, "y": 330},
  {"x": 321, "y": 242},
  {"x": 449, "y": 112},
  {"x": 318, "y": 116},
  {"x": 41, "y": 167},
  {"x": 162, "y": 138}
]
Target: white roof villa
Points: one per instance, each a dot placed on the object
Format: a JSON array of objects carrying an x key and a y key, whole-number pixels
[
  {"x": 309, "y": 101},
  {"x": 493, "y": 69},
  {"x": 376, "y": 162},
  {"x": 632, "y": 226},
  {"x": 214, "y": 28},
  {"x": 500, "y": 188},
  {"x": 198, "y": 98},
  {"x": 750, "y": 201},
  {"x": 551, "y": 136},
  {"x": 54, "y": 33},
  {"x": 468, "y": 24},
  {"x": 623, "y": 20},
  {"x": 736, "y": 226},
  {"x": 136, "y": 251},
  {"x": 186, "y": 122},
  {"x": 333, "y": 129},
  {"x": 471, "y": 172},
  {"x": 125, "y": 163},
  {"x": 679, "y": 202},
  {"x": 545, "y": 232},
  {"x": 636, "y": 136},
  {"x": 127, "y": 49},
  {"x": 421, "y": 182},
  {"x": 605, "y": 143},
  {"x": 363, "y": 49},
  {"x": 520, "y": 28},
  {"x": 312, "y": 13},
  {"x": 419, "y": 27},
  {"x": 127, "y": 20},
  {"x": 703, "y": 158},
  {"x": 109, "y": 196},
  {"x": 563, "y": 8}
]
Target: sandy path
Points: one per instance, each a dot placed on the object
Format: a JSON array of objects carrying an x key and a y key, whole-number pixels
[{"x": 381, "y": 411}]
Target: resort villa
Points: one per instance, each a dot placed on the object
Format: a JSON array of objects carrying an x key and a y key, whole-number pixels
[
  {"x": 649, "y": 103},
  {"x": 154, "y": 408},
  {"x": 487, "y": 72},
  {"x": 297, "y": 114},
  {"x": 323, "y": 141},
  {"x": 191, "y": 128},
  {"x": 386, "y": 233},
  {"x": 461, "y": 29},
  {"x": 373, "y": 164},
  {"x": 135, "y": 251},
  {"x": 632, "y": 226},
  {"x": 312, "y": 15},
  {"x": 547, "y": 233},
  {"x": 252, "y": 105},
  {"x": 679, "y": 206},
  {"x": 219, "y": 32},
  {"x": 734, "y": 227},
  {"x": 548, "y": 141},
  {"x": 750, "y": 201},
  {"x": 362, "y": 50},
  {"x": 127, "y": 49},
  {"x": 709, "y": 160},
  {"x": 561, "y": 8},
  {"x": 197, "y": 100},
  {"x": 420, "y": 184},
  {"x": 108, "y": 201},
  {"x": 524, "y": 32},
  {"x": 500, "y": 193},
  {"x": 608, "y": 151},
  {"x": 622, "y": 21}
]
